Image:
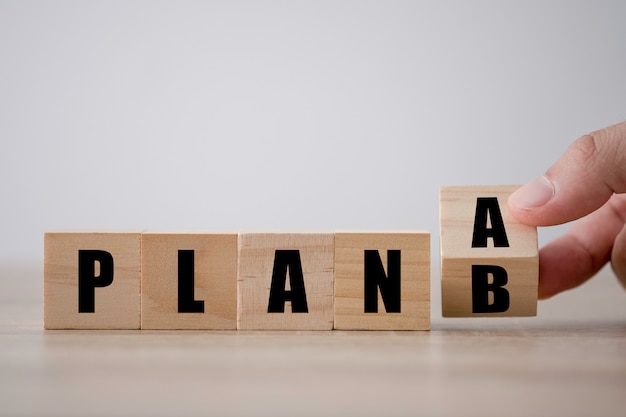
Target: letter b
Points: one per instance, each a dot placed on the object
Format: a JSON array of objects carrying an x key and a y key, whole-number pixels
[{"x": 481, "y": 287}]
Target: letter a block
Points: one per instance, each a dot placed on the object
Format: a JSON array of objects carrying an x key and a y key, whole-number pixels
[
  {"x": 92, "y": 280},
  {"x": 489, "y": 261},
  {"x": 285, "y": 281},
  {"x": 189, "y": 281},
  {"x": 382, "y": 281}
]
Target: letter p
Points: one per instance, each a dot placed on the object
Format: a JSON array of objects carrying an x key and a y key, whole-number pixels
[{"x": 87, "y": 279}]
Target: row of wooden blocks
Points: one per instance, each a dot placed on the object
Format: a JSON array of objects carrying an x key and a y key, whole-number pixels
[{"x": 295, "y": 281}]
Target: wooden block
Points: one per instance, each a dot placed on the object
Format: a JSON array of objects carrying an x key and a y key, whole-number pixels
[
  {"x": 285, "y": 281},
  {"x": 489, "y": 261},
  {"x": 189, "y": 281},
  {"x": 382, "y": 281},
  {"x": 92, "y": 280}
]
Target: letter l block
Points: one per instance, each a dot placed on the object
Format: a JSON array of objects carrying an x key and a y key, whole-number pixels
[{"x": 189, "y": 281}]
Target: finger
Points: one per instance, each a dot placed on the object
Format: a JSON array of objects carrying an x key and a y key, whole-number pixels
[
  {"x": 581, "y": 181},
  {"x": 583, "y": 250},
  {"x": 562, "y": 265},
  {"x": 618, "y": 254}
]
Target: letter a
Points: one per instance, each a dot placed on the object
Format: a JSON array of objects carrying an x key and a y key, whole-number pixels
[
  {"x": 488, "y": 206},
  {"x": 283, "y": 260}
]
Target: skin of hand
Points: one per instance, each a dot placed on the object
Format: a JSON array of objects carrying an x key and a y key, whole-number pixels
[{"x": 587, "y": 183}]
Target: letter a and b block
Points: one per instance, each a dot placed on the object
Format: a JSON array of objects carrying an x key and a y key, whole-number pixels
[{"x": 489, "y": 261}]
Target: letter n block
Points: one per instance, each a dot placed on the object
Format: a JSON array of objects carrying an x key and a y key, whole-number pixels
[
  {"x": 489, "y": 261},
  {"x": 189, "y": 281},
  {"x": 285, "y": 281},
  {"x": 382, "y": 281},
  {"x": 92, "y": 280}
]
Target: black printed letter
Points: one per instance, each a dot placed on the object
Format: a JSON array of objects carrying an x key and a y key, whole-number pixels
[
  {"x": 87, "y": 279},
  {"x": 481, "y": 289},
  {"x": 488, "y": 206},
  {"x": 186, "y": 302},
  {"x": 375, "y": 278},
  {"x": 284, "y": 259}
]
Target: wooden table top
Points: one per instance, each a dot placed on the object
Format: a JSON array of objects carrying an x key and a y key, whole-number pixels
[{"x": 569, "y": 361}]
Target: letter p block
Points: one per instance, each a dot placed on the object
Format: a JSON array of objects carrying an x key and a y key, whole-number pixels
[
  {"x": 92, "y": 280},
  {"x": 489, "y": 261}
]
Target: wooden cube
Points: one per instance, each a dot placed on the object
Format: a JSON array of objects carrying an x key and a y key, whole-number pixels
[
  {"x": 382, "y": 281},
  {"x": 285, "y": 281},
  {"x": 489, "y": 261},
  {"x": 92, "y": 280},
  {"x": 189, "y": 281}
]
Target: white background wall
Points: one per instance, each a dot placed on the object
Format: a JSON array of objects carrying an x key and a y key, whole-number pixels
[{"x": 287, "y": 115}]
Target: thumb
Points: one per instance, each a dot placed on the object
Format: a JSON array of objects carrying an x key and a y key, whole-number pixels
[{"x": 580, "y": 182}]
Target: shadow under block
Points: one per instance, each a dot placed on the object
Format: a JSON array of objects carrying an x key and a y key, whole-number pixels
[
  {"x": 488, "y": 267},
  {"x": 285, "y": 281},
  {"x": 92, "y": 280},
  {"x": 400, "y": 262},
  {"x": 189, "y": 281}
]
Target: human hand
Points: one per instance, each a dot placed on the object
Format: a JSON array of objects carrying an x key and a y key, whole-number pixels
[{"x": 588, "y": 183}]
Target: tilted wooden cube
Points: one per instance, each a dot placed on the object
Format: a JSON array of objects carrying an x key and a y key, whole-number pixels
[
  {"x": 382, "y": 281},
  {"x": 92, "y": 280},
  {"x": 489, "y": 261}
]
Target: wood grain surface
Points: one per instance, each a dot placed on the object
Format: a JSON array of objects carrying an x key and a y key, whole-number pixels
[{"x": 570, "y": 360}]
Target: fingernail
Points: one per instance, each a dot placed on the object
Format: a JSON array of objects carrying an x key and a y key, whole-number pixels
[{"x": 533, "y": 195}]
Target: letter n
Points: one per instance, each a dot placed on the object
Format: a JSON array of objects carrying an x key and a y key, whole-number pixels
[{"x": 376, "y": 278}]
